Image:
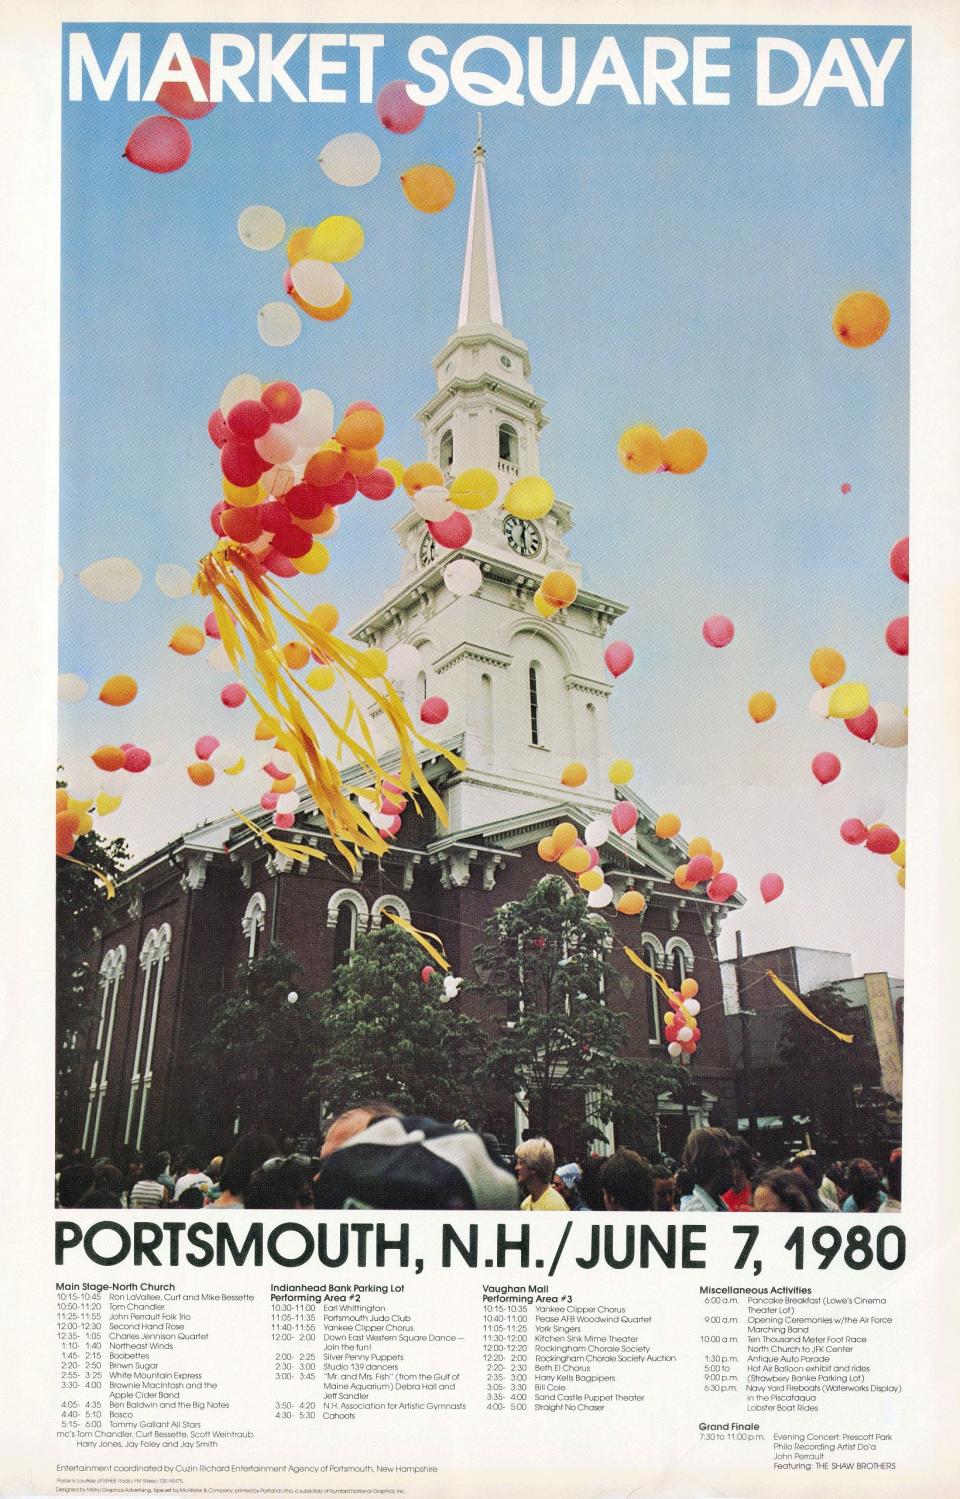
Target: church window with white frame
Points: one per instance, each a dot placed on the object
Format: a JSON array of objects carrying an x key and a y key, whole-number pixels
[
  {"x": 446, "y": 450},
  {"x": 153, "y": 957},
  {"x": 347, "y": 914},
  {"x": 111, "y": 976},
  {"x": 508, "y": 445},
  {"x": 253, "y": 923},
  {"x": 534, "y": 695}
]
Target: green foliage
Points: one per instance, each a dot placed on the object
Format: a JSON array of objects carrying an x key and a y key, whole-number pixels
[
  {"x": 388, "y": 1035},
  {"x": 830, "y": 1081}
]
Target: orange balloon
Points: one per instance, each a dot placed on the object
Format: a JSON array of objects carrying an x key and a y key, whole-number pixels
[
  {"x": 667, "y": 825},
  {"x": 419, "y": 475},
  {"x": 284, "y": 783},
  {"x": 361, "y": 429},
  {"x": 684, "y": 451},
  {"x": 200, "y": 773},
  {"x": 66, "y": 839},
  {"x": 108, "y": 757},
  {"x": 327, "y": 466},
  {"x": 296, "y": 654},
  {"x": 573, "y": 774},
  {"x": 320, "y": 524},
  {"x": 762, "y": 706},
  {"x": 187, "y": 640},
  {"x": 547, "y": 850},
  {"x": 360, "y": 461},
  {"x": 861, "y": 319},
  {"x": 69, "y": 821},
  {"x": 689, "y": 989},
  {"x": 267, "y": 728},
  {"x": 118, "y": 691},
  {"x": 680, "y": 878},
  {"x": 62, "y": 799},
  {"x": 559, "y": 589},
  {"x": 564, "y": 836},
  {"x": 297, "y": 245},
  {"x": 631, "y": 903},
  {"x": 717, "y": 862},
  {"x": 699, "y": 846},
  {"x": 325, "y": 314}
]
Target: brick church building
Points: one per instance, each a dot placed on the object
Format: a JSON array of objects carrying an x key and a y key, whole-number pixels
[{"x": 526, "y": 695}]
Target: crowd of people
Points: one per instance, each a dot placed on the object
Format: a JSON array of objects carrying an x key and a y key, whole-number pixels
[{"x": 374, "y": 1157}]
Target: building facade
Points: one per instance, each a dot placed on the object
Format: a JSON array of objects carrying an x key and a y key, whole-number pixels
[{"x": 526, "y": 695}]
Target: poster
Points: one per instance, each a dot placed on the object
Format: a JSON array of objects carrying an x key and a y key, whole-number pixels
[{"x": 545, "y": 436}]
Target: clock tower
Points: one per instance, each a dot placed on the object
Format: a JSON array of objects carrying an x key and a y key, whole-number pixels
[{"x": 526, "y": 695}]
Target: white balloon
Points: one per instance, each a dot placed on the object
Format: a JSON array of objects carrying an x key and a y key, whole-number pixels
[
  {"x": 318, "y": 282},
  {"x": 820, "y": 702},
  {"x": 891, "y": 726},
  {"x": 381, "y": 820},
  {"x": 278, "y": 325},
  {"x": 451, "y": 986},
  {"x": 114, "y": 580},
  {"x": 674, "y": 1049},
  {"x": 432, "y": 502},
  {"x": 218, "y": 658},
  {"x": 597, "y": 899},
  {"x": 240, "y": 388},
  {"x": 285, "y": 763},
  {"x": 224, "y": 755},
  {"x": 313, "y": 423},
  {"x": 595, "y": 834},
  {"x": 277, "y": 480},
  {"x": 870, "y": 807},
  {"x": 403, "y": 662},
  {"x": 685, "y": 1033},
  {"x": 173, "y": 580},
  {"x": 288, "y": 801},
  {"x": 71, "y": 688},
  {"x": 462, "y": 576},
  {"x": 260, "y": 227},
  {"x": 350, "y": 160},
  {"x": 276, "y": 445},
  {"x": 692, "y": 1006}
]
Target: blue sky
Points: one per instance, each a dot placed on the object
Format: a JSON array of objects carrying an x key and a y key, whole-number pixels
[{"x": 672, "y": 265}]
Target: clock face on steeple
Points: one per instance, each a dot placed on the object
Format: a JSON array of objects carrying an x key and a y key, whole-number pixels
[
  {"x": 428, "y": 550},
  {"x": 523, "y": 536}
]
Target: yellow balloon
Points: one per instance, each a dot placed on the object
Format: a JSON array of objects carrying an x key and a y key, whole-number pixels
[
  {"x": 574, "y": 774},
  {"x": 640, "y": 450},
  {"x": 620, "y": 772},
  {"x": 667, "y": 825},
  {"x": 395, "y": 467},
  {"x": 267, "y": 728},
  {"x": 321, "y": 677},
  {"x": 429, "y": 188},
  {"x": 689, "y": 989},
  {"x": 187, "y": 640},
  {"x": 237, "y": 494},
  {"x": 684, "y": 451},
  {"x": 298, "y": 245},
  {"x": 84, "y": 823},
  {"x": 315, "y": 561},
  {"x": 899, "y": 855},
  {"x": 372, "y": 663},
  {"x": 849, "y": 700},
  {"x": 564, "y": 836},
  {"x": 827, "y": 666},
  {"x": 234, "y": 770},
  {"x": 547, "y": 850},
  {"x": 591, "y": 879},
  {"x": 680, "y": 877},
  {"x": 717, "y": 861},
  {"x": 699, "y": 846},
  {"x": 105, "y": 803},
  {"x": 576, "y": 860},
  {"x": 474, "y": 489},
  {"x": 902, "y": 878},
  {"x": 336, "y": 238},
  {"x": 543, "y": 606},
  {"x": 118, "y": 691},
  {"x": 762, "y": 706},
  {"x": 861, "y": 319},
  {"x": 78, "y": 805},
  {"x": 326, "y": 617},
  {"x": 631, "y": 903},
  {"x": 529, "y": 498}
]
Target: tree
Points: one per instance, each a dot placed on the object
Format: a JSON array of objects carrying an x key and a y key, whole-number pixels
[
  {"x": 543, "y": 973},
  {"x": 389, "y": 1035},
  {"x": 254, "y": 1057},
  {"x": 81, "y": 905}
]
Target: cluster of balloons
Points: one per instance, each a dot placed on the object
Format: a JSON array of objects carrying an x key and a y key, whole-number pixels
[
  {"x": 879, "y": 838},
  {"x": 580, "y": 856},
  {"x": 704, "y": 866},
  {"x": 897, "y": 634},
  {"x": 883, "y": 724},
  {"x": 162, "y": 143},
  {"x": 211, "y": 756},
  {"x": 74, "y": 816},
  {"x": 557, "y": 591},
  {"x": 286, "y": 471},
  {"x": 642, "y": 450},
  {"x": 860, "y": 319},
  {"x": 680, "y": 1030},
  {"x": 130, "y": 757},
  {"x": 450, "y": 986}
]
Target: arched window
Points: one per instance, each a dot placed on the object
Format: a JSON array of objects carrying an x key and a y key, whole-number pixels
[
  {"x": 486, "y": 716},
  {"x": 532, "y": 686},
  {"x": 592, "y": 747},
  {"x": 653, "y": 954},
  {"x": 254, "y": 918},
  {"x": 446, "y": 450},
  {"x": 421, "y": 691},
  {"x": 348, "y": 914},
  {"x": 111, "y": 974},
  {"x": 153, "y": 956},
  {"x": 508, "y": 450},
  {"x": 387, "y": 903},
  {"x": 679, "y": 955}
]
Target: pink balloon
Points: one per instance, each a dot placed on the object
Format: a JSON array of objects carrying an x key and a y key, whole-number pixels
[
  {"x": 618, "y": 657},
  {"x": 623, "y": 817},
  {"x": 396, "y": 110},
  {"x": 718, "y": 630},
  {"x": 177, "y": 98},
  {"x": 722, "y": 886},
  {"x": 700, "y": 868},
  {"x": 159, "y": 144},
  {"x": 426, "y": 973},
  {"x": 826, "y": 767},
  {"x": 845, "y": 488},
  {"x": 453, "y": 532},
  {"x": 594, "y": 858},
  {"x": 882, "y": 840},
  {"x": 137, "y": 759},
  {"x": 897, "y": 635},
  {"x": 377, "y": 485},
  {"x": 284, "y": 819},
  {"x": 900, "y": 559},
  {"x": 233, "y": 695},
  {"x": 210, "y": 626},
  {"x": 268, "y": 801},
  {"x": 433, "y": 710},
  {"x": 865, "y": 725},
  {"x": 771, "y": 886},
  {"x": 205, "y": 746},
  {"x": 853, "y": 830},
  {"x": 392, "y": 828}
]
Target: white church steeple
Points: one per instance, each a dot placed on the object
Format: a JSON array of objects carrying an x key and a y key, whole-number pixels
[{"x": 479, "y": 290}]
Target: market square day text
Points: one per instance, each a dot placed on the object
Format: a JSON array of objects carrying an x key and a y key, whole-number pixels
[{"x": 337, "y": 67}]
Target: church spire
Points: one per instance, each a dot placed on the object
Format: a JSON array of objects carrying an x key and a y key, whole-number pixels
[{"x": 479, "y": 290}]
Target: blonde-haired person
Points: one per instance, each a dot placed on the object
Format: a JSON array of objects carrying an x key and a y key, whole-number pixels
[{"x": 535, "y": 1166}]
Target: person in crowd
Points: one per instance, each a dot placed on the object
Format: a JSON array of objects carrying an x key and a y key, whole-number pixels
[
  {"x": 190, "y": 1197},
  {"x": 534, "y": 1169},
  {"x": 149, "y": 1191},
  {"x": 411, "y": 1162},
  {"x": 105, "y": 1192},
  {"x": 739, "y": 1197},
  {"x": 627, "y": 1183},
  {"x": 664, "y": 1193},
  {"x": 707, "y": 1167},
  {"x": 164, "y": 1177},
  {"x": 213, "y": 1170},
  {"x": 351, "y": 1121},
  {"x": 863, "y": 1184},
  {"x": 808, "y": 1162},
  {"x": 132, "y": 1173},
  {"x": 834, "y": 1184},
  {"x": 190, "y": 1174},
  {"x": 283, "y": 1181},
  {"x": 567, "y": 1180},
  {"x": 589, "y": 1186},
  {"x": 894, "y": 1169},
  {"x": 781, "y": 1190},
  {"x": 76, "y": 1177},
  {"x": 246, "y": 1157}
]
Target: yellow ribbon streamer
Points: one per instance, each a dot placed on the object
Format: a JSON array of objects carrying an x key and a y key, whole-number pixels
[
  {"x": 661, "y": 984},
  {"x": 804, "y": 1009},
  {"x": 420, "y": 937},
  {"x": 297, "y": 851},
  {"x": 104, "y": 878}
]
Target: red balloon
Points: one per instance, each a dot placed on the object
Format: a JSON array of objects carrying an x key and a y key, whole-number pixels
[
  {"x": 241, "y": 463},
  {"x": 217, "y": 427},
  {"x": 241, "y": 524},
  {"x": 137, "y": 759},
  {"x": 722, "y": 886},
  {"x": 864, "y": 726},
  {"x": 882, "y": 840},
  {"x": 453, "y": 532},
  {"x": 177, "y": 98},
  {"x": 393, "y": 828},
  {"x": 305, "y": 500},
  {"x": 623, "y": 817},
  {"x": 275, "y": 562},
  {"x": 215, "y": 515},
  {"x": 282, "y": 399},
  {"x": 205, "y": 746},
  {"x": 210, "y": 626},
  {"x": 718, "y": 630},
  {"x": 377, "y": 485},
  {"x": 853, "y": 830},
  {"x": 900, "y": 559},
  {"x": 897, "y": 635},
  {"x": 274, "y": 514},
  {"x": 433, "y": 710},
  {"x": 292, "y": 541},
  {"x": 341, "y": 492},
  {"x": 283, "y": 819},
  {"x": 845, "y": 488},
  {"x": 426, "y": 973},
  {"x": 249, "y": 420},
  {"x": 268, "y": 801},
  {"x": 771, "y": 887},
  {"x": 396, "y": 110},
  {"x": 700, "y": 868},
  {"x": 618, "y": 657},
  {"x": 826, "y": 767},
  {"x": 288, "y": 282},
  {"x": 159, "y": 144}
]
